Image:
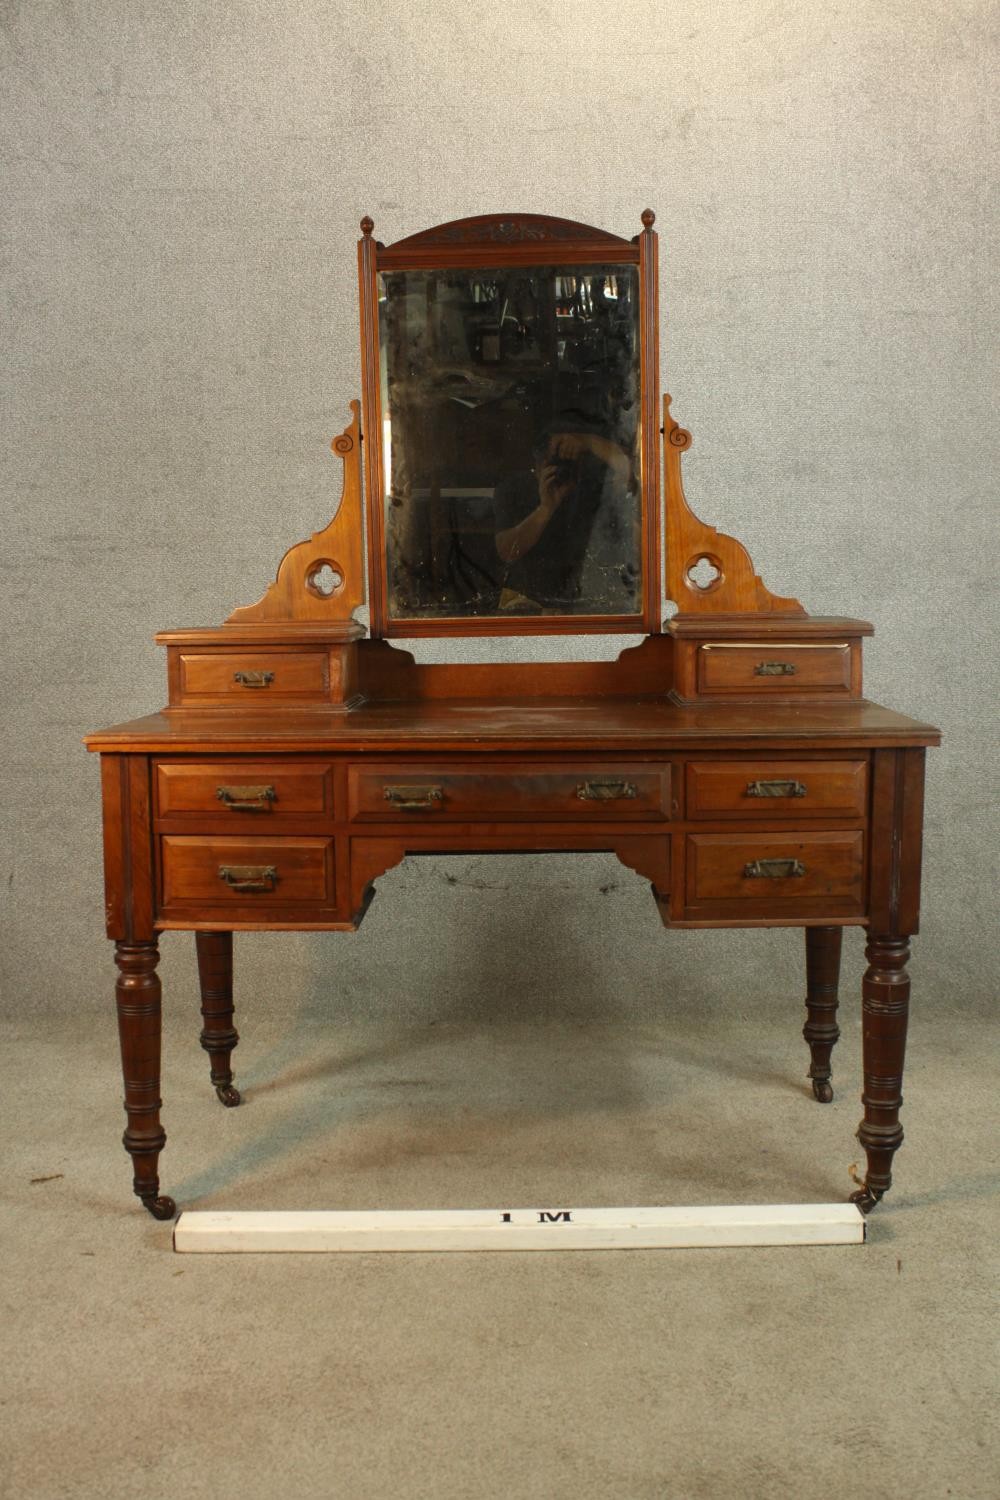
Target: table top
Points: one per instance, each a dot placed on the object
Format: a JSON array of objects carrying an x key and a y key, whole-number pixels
[{"x": 543, "y": 724}]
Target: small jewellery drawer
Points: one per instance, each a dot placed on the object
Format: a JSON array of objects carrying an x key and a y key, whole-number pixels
[
  {"x": 252, "y": 677},
  {"x": 768, "y": 667},
  {"x": 776, "y": 869},
  {"x": 776, "y": 788},
  {"x": 242, "y": 790},
  {"x": 387, "y": 792},
  {"x": 225, "y": 872}
]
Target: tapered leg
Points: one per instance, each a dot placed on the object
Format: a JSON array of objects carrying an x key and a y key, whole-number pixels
[
  {"x": 219, "y": 1036},
  {"x": 138, "y": 996},
  {"x": 885, "y": 1008},
  {"x": 821, "y": 1031}
]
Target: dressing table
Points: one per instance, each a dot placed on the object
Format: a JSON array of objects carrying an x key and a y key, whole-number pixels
[{"x": 519, "y": 476}]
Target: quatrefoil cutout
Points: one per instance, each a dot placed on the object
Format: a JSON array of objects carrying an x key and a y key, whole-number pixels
[
  {"x": 324, "y": 579},
  {"x": 704, "y": 573}
]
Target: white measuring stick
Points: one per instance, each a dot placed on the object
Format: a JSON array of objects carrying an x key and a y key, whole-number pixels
[{"x": 520, "y": 1228}]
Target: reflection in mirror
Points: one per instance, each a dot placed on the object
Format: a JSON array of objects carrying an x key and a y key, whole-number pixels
[{"x": 510, "y": 403}]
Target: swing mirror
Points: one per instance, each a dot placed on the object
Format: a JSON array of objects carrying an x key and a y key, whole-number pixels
[{"x": 508, "y": 430}]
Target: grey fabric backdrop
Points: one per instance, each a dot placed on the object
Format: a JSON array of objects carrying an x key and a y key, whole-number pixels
[{"x": 182, "y": 195}]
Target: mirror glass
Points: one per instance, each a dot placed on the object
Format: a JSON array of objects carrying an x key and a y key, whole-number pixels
[{"x": 510, "y": 405}]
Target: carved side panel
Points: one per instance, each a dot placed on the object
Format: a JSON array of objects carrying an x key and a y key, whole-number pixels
[
  {"x": 322, "y": 579},
  {"x": 695, "y": 551}
]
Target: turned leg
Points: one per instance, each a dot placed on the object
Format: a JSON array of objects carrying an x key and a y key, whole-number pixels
[
  {"x": 885, "y": 1006},
  {"x": 821, "y": 1030},
  {"x": 138, "y": 997},
  {"x": 218, "y": 1037}
]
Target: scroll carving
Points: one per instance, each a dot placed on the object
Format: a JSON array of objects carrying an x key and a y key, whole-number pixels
[
  {"x": 322, "y": 579},
  {"x": 731, "y": 585}
]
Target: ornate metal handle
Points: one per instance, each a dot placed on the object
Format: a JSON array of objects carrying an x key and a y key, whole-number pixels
[
  {"x": 246, "y": 798},
  {"x": 606, "y": 791},
  {"x": 254, "y": 679},
  {"x": 775, "y": 789},
  {"x": 773, "y": 869},
  {"x": 774, "y": 669},
  {"x": 249, "y": 877},
  {"x": 414, "y": 798}
]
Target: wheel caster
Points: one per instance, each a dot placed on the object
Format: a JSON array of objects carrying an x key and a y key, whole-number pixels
[
  {"x": 228, "y": 1095},
  {"x": 160, "y": 1207},
  {"x": 866, "y": 1198},
  {"x": 823, "y": 1090}
]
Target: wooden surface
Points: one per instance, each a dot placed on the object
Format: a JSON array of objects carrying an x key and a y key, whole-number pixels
[
  {"x": 773, "y": 790},
  {"x": 514, "y": 724}
]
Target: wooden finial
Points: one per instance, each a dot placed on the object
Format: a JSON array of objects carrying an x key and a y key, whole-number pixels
[
  {"x": 648, "y": 218},
  {"x": 367, "y": 225}
]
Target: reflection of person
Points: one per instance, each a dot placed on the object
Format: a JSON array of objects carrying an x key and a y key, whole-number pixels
[{"x": 563, "y": 530}]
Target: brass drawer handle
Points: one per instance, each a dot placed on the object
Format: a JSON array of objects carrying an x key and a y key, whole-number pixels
[
  {"x": 246, "y": 798},
  {"x": 249, "y": 877},
  {"x": 254, "y": 679},
  {"x": 775, "y": 789},
  {"x": 773, "y": 869},
  {"x": 414, "y": 798},
  {"x": 774, "y": 669},
  {"x": 606, "y": 791}
]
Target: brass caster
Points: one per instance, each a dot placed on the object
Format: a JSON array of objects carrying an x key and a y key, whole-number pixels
[
  {"x": 823, "y": 1090},
  {"x": 228, "y": 1095},
  {"x": 866, "y": 1198},
  {"x": 160, "y": 1207}
]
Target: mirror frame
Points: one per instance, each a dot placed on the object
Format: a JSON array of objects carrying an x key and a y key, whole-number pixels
[{"x": 503, "y": 240}]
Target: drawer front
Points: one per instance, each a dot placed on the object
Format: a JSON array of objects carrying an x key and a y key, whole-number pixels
[
  {"x": 227, "y": 872},
  {"x": 243, "y": 790},
  {"x": 776, "y": 788},
  {"x": 781, "y": 870},
  {"x": 772, "y": 668},
  {"x": 254, "y": 677},
  {"x": 417, "y": 793}
]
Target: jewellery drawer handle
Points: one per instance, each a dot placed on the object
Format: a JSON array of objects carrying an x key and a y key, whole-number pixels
[
  {"x": 254, "y": 679},
  {"x": 606, "y": 791},
  {"x": 249, "y": 877},
  {"x": 246, "y": 798},
  {"x": 773, "y": 869},
  {"x": 414, "y": 798},
  {"x": 774, "y": 669},
  {"x": 775, "y": 789}
]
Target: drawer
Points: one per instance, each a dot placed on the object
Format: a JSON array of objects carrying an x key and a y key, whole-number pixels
[
  {"x": 253, "y": 677},
  {"x": 243, "y": 790},
  {"x": 417, "y": 793},
  {"x": 779, "y": 870},
  {"x": 228, "y": 872},
  {"x": 776, "y": 788},
  {"x": 768, "y": 667}
]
